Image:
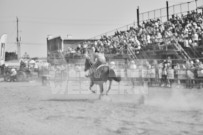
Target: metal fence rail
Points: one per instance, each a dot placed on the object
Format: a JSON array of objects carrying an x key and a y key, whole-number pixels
[{"x": 161, "y": 13}]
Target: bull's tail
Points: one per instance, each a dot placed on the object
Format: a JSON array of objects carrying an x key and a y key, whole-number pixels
[
  {"x": 117, "y": 78},
  {"x": 113, "y": 76}
]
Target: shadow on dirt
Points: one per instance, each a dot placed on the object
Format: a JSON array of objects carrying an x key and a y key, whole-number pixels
[{"x": 72, "y": 100}]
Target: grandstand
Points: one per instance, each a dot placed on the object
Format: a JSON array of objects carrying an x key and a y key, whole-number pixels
[{"x": 174, "y": 31}]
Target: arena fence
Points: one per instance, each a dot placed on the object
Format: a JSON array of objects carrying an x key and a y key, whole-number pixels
[
  {"x": 177, "y": 9},
  {"x": 154, "y": 76}
]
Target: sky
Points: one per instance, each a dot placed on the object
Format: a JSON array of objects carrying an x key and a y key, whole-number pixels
[{"x": 80, "y": 19}]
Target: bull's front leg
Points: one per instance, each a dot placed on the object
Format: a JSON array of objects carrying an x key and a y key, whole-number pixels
[{"x": 101, "y": 90}]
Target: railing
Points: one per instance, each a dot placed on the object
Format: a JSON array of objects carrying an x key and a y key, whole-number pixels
[
  {"x": 177, "y": 9},
  {"x": 141, "y": 72},
  {"x": 179, "y": 47},
  {"x": 161, "y": 13}
]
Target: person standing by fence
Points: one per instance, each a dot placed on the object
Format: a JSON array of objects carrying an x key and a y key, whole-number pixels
[
  {"x": 190, "y": 74},
  {"x": 132, "y": 68},
  {"x": 165, "y": 81}
]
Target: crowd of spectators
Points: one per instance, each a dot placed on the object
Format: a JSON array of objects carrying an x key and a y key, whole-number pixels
[
  {"x": 165, "y": 72},
  {"x": 187, "y": 29}
]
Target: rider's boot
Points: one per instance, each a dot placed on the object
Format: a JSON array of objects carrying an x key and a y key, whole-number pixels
[{"x": 88, "y": 75}]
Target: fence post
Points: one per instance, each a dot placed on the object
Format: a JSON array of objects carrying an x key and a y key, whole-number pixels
[
  {"x": 188, "y": 6},
  {"x": 196, "y": 5},
  {"x": 167, "y": 11},
  {"x": 161, "y": 15},
  {"x": 142, "y": 17},
  {"x": 138, "y": 16},
  {"x": 148, "y": 15}
]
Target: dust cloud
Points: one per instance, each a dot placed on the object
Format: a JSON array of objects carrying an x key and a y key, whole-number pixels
[{"x": 177, "y": 98}]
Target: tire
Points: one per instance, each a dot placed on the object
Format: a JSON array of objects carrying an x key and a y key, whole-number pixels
[{"x": 7, "y": 78}]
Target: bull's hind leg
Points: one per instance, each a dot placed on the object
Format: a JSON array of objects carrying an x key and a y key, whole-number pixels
[
  {"x": 90, "y": 88},
  {"x": 110, "y": 83},
  {"x": 101, "y": 90}
]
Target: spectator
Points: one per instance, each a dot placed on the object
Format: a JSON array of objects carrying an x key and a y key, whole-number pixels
[
  {"x": 13, "y": 74},
  {"x": 169, "y": 61},
  {"x": 132, "y": 67},
  {"x": 165, "y": 81}
]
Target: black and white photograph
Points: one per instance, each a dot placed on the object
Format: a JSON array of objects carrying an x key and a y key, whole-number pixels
[{"x": 101, "y": 67}]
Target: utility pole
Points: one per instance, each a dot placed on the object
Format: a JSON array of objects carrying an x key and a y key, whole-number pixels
[
  {"x": 167, "y": 10},
  {"x": 18, "y": 40},
  {"x": 138, "y": 17}
]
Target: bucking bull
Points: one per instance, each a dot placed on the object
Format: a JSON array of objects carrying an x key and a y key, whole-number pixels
[{"x": 102, "y": 74}]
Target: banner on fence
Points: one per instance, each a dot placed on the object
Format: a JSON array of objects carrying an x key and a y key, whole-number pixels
[
  {"x": 134, "y": 73},
  {"x": 200, "y": 73},
  {"x": 170, "y": 74},
  {"x": 190, "y": 74},
  {"x": 145, "y": 74},
  {"x": 52, "y": 74},
  {"x": 120, "y": 72},
  {"x": 160, "y": 73},
  {"x": 182, "y": 74},
  {"x": 152, "y": 73},
  {"x": 82, "y": 74}
]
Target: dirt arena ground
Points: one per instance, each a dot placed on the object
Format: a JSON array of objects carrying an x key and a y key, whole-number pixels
[{"x": 28, "y": 108}]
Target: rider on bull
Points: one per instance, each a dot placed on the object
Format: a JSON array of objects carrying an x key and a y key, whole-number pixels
[{"x": 96, "y": 58}]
